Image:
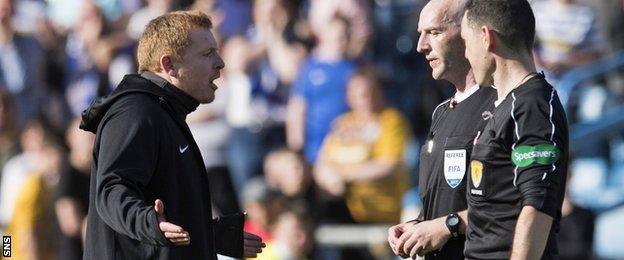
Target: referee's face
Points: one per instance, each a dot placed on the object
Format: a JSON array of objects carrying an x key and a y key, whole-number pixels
[
  {"x": 477, "y": 53},
  {"x": 441, "y": 42}
]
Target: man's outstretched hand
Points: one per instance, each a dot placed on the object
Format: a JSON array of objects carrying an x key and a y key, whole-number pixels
[
  {"x": 174, "y": 233},
  {"x": 252, "y": 245}
]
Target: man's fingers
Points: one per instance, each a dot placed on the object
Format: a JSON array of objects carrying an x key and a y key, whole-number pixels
[
  {"x": 159, "y": 207},
  {"x": 392, "y": 239},
  {"x": 169, "y": 227},
  {"x": 171, "y": 235},
  {"x": 394, "y": 248},
  {"x": 400, "y": 243},
  {"x": 252, "y": 240},
  {"x": 409, "y": 245},
  {"x": 393, "y": 236},
  {"x": 181, "y": 242},
  {"x": 253, "y": 244},
  {"x": 252, "y": 252},
  {"x": 415, "y": 250},
  {"x": 250, "y": 236},
  {"x": 253, "y": 249}
]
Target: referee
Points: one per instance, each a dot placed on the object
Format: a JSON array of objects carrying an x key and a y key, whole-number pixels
[
  {"x": 438, "y": 232},
  {"x": 519, "y": 163}
]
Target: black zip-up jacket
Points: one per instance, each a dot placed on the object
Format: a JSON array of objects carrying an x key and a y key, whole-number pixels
[{"x": 144, "y": 151}]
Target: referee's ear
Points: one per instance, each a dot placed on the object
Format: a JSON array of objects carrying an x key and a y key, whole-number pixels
[{"x": 488, "y": 37}]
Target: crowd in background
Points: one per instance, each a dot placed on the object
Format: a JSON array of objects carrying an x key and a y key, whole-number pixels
[{"x": 319, "y": 116}]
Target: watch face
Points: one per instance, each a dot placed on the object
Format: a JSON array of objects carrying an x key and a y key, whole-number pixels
[{"x": 452, "y": 221}]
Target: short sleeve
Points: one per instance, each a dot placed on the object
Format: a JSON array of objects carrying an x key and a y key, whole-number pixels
[{"x": 539, "y": 151}]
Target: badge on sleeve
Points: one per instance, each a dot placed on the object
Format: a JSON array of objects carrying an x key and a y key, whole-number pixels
[
  {"x": 476, "y": 172},
  {"x": 454, "y": 167},
  {"x": 476, "y": 175}
]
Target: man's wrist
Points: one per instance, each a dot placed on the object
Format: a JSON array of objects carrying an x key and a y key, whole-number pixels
[
  {"x": 452, "y": 223},
  {"x": 443, "y": 228}
]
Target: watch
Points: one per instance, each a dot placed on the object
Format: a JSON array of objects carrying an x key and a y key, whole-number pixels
[{"x": 452, "y": 223}]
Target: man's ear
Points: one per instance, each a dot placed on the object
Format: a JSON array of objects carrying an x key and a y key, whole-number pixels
[
  {"x": 166, "y": 65},
  {"x": 487, "y": 37}
]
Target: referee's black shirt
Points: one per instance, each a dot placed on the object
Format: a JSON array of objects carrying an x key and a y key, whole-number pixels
[
  {"x": 520, "y": 159},
  {"x": 444, "y": 161}
]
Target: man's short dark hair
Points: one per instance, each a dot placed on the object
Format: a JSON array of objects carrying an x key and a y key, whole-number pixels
[{"x": 512, "y": 20}]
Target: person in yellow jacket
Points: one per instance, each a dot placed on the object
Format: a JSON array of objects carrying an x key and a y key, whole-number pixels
[
  {"x": 361, "y": 158},
  {"x": 33, "y": 226}
]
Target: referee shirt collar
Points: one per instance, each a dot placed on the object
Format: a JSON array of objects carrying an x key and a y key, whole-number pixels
[{"x": 459, "y": 97}]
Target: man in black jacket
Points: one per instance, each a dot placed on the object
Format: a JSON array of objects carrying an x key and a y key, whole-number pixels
[{"x": 145, "y": 156}]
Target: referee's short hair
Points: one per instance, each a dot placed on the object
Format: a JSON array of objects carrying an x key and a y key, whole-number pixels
[{"x": 512, "y": 20}]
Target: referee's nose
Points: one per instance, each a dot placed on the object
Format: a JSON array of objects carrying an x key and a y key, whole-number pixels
[{"x": 423, "y": 43}]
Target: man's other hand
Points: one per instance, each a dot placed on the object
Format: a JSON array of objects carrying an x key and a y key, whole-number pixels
[
  {"x": 174, "y": 233},
  {"x": 252, "y": 245},
  {"x": 423, "y": 238},
  {"x": 394, "y": 233}
]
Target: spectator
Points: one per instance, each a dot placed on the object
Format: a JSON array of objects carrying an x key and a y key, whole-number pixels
[
  {"x": 90, "y": 50},
  {"x": 236, "y": 17},
  {"x": 567, "y": 36},
  {"x": 609, "y": 15},
  {"x": 21, "y": 67},
  {"x": 361, "y": 157},
  {"x": 280, "y": 49},
  {"x": 214, "y": 12},
  {"x": 8, "y": 131},
  {"x": 261, "y": 204},
  {"x": 356, "y": 12},
  {"x": 33, "y": 223},
  {"x": 318, "y": 95},
  {"x": 271, "y": 63},
  {"x": 140, "y": 18},
  {"x": 239, "y": 115},
  {"x": 293, "y": 234},
  {"x": 287, "y": 172},
  {"x": 73, "y": 191},
  {"x": 19, "y": 167}
]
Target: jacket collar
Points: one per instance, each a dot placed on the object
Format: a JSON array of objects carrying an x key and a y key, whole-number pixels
[{"x": 182, "y": 103}]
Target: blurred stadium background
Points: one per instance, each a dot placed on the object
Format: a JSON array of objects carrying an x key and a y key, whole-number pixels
[{"x": 276, "y": 141}]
